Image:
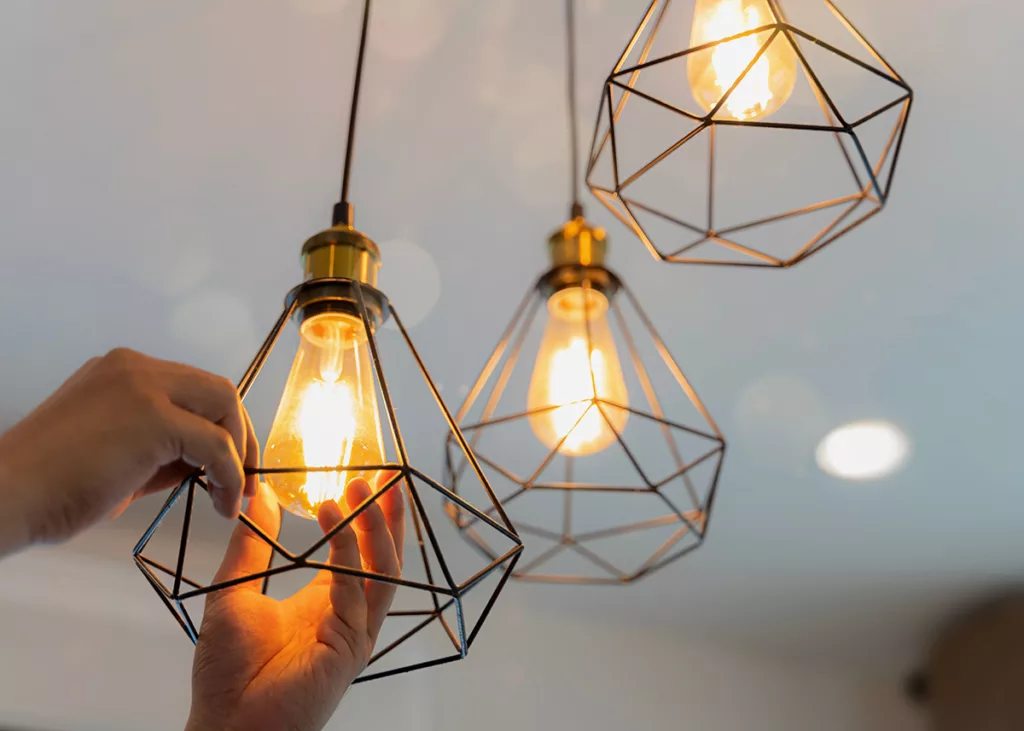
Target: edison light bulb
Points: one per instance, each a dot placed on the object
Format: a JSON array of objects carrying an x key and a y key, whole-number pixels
[
  {"x": 328, "y": 415},
  {"x": 567, "y": 378},
  {"x": 767, "y": 85}
]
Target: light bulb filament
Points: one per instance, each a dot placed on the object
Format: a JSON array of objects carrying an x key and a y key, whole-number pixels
[
  {"x": 731, "y": 59},
  {"x": 571, "y": 384},
  {"x": 327, "y": 427}
]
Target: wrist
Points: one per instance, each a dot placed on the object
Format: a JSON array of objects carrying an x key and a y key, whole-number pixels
[{"x": 16, "y": 519}]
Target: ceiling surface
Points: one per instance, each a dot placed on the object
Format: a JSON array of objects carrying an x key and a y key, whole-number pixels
[{"x": 162, "y": 162}]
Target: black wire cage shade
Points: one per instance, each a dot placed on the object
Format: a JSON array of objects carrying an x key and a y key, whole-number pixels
[
  {"x": 714, "y": 183},
  {"x": 607, "y": 518},
  {"x": 433, "y": 594},
  {"x": 349, "y": 369}
]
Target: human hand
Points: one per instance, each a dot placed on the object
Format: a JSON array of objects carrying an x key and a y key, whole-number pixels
[
  {"x": 124, "y": 425},
  {"x": 266, "y": 664}
]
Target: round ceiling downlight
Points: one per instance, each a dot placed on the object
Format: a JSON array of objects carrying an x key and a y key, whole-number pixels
[{"x": 863, "y": 450}]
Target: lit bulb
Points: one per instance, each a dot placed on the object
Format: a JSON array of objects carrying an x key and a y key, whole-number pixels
[
  {"x": 562, "y": 388},
  {"x": 327, "y": 417},
  {"x": 767, "y": 85}
]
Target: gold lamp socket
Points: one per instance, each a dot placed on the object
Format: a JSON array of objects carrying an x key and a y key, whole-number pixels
[
  {"x": 577, "y": 243},
  {"x": 341, "y": 252}
]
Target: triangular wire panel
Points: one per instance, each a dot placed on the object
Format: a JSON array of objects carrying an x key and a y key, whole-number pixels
[
  {"x": 663, "y": 29},
  {"x": 410, "y": 637},
  {"x": 663, "y": 83},
  {"x": 675, "y": 397},
  {"x": 616, "y": 466},
  {"x": 866, "y": 210},
  {"x": 790, "y": 236},
  {"x": 669, "y": 553},
  {"x": 162, "y": 592},
  {"x": 464, "y": 566},
  {"x": 538, "y": 547},
  {"x": 647, "y": 136},
  {"x": 634, "y": 549},
  {"x": 501, "y": 392},
  {"x": 661, "y": 230},
  {"x": 208, "y": 542},
  {"x": 689, "y": 543},
  {"x": 576, "y": 564},
  {"x": 719, "y": 250},
  {"x": 827, "y": 22},
  {"x": 665, "y": 450},
  {"x": 851, "y": 89},
  {"x": 677, "y": 187},
  {"x": 795, "y": 170},
  {"x": 802, "y": 103},
  {"x": 693, "y": 497},
  {"x": 479, "y": 602},
  {"x": 694, "y": 488},
  {"x": 413, "y": 387},
  {"x": 165, "y": 553},
  {"x": 880, "y": 138}
]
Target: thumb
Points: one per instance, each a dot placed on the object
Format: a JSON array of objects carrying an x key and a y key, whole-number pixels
[{"x": 247, "y": 552}]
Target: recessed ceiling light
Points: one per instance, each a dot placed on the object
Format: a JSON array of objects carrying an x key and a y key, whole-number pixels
[{"x": 863, "y": 450}]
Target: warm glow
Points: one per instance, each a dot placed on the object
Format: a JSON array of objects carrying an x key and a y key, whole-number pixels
[
  {"x": 327, "y": 417},
  {"x": 712, "y": 73},
  {"x": 863, "y": 450},
  {"x": 565, "y": 376}
]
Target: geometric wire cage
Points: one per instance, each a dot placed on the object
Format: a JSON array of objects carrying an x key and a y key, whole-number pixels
[
  {"x": 682, "y": 216},
  {"x": 444, "y": 594},
  {"x": 606, "y": 518}
]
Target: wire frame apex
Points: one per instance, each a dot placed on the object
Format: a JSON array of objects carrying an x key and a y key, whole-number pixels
[{"x": 775, "y": 189}]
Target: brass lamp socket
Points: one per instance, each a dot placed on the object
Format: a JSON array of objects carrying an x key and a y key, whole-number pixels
[
  {"x": 578, "y": 253},
  {"x": 578, "y": 243},
  {"x": 341, "y": 252},
  {"x": 332, "y": 262}
]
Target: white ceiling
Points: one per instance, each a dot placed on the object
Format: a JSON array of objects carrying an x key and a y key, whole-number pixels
[{"x": 161, "y": 163}]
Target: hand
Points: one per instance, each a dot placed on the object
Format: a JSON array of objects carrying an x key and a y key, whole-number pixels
[
  {"x": 124, "y": 425},
  {"x": 268, "y": 664}
]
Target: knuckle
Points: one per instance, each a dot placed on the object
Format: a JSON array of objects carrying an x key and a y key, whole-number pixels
[
  {"x": 121, "y": 357},
  {"x": 223, "y": 445},
  {"x": 227, "y": 386}
]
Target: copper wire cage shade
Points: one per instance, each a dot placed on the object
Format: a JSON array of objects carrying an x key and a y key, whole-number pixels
[
  {"x": 440, "y": 591},
  {"x": 649, "y": 513},
  {"x": 842, "y": 138}
]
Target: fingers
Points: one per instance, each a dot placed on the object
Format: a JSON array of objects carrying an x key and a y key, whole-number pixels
[
  {"x": 251, "y": 460},
  {"x": 346, "y": 592},
  {"x": 247, "y": 553},
  {"x": 393, "y": 504},
  {"x": 377, "y": 549},
  {"x": 212, "y": 397},
  {"x": 199, "y": 442}
]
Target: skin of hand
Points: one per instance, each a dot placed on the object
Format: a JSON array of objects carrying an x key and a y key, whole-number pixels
[
  {"x": 284, "y": 665},
  {"x": 124, "y": 425}
]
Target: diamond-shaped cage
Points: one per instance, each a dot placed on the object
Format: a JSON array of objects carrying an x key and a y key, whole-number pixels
[
  {"x": 607, "y": 518},
  {"x": 440, "y": 591},
  {"x": 833, "y": 146}
]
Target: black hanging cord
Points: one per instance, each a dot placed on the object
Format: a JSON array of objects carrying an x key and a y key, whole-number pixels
[
  {"x": 570, "y": 32},
  {"x": 343, "y": 211}
]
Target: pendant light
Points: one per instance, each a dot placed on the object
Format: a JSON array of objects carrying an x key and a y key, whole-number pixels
[
  {"x": 336, "y": 420},
  {"x": 759, "y": 145},
  {"x": 582, "y": 425}
]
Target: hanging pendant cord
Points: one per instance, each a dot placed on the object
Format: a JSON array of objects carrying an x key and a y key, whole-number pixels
[
  {"x": 570, "y": 32},
  {"x": 343, "y": 210}
]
